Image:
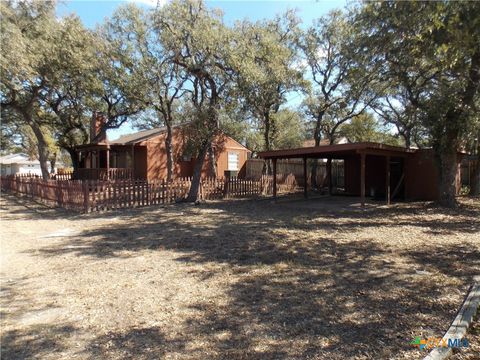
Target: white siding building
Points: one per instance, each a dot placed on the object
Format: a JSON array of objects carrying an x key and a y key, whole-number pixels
[{"x": 19, "y": 164}]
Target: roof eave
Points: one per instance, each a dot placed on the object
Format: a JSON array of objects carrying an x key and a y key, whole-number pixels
[{"x": 314, "y": 151}]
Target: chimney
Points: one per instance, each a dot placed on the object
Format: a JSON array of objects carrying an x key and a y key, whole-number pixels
[{"x": 98, "y": 133}]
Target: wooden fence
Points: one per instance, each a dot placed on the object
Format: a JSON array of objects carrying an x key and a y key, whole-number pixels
[
  {"x": 67, "y": 194},
  {"x": 98, "y": 195},
  {"x": 254, "y": 170},
  {"x": 467, "y": 169},
  {"x": 59, "y": 176}
]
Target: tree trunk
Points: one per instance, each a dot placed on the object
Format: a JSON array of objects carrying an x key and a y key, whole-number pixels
[
  {"x": 74, "y": 157},
  {"x": 408, "y": 138},
  {"x": 42, "y": 149},
  {"x": 212, "y": 166},
  {"x": 197, "y": 172},
  {"x": 317, "y": 138},
  {"x": 267, "y": 170},
  {"x": 169, "y": 149},
  {"x": 53, "y": 161},
  {"x": 445, "y": 149},
  {"x": 447, "y": 166}
]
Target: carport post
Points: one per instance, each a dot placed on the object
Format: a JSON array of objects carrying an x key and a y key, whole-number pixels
[
  {"x": 329, "y": 174},
  {"x": 362, "y": 178},
  {"x": 305, "y": 193},
  {"x": 274, "y": 161},
  {"x": 387, "y": 179}
]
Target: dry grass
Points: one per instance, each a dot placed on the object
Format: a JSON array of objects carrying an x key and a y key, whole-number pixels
[{"x": 319, "y": 279}]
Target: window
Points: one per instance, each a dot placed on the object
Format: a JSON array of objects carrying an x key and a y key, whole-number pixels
[{"x": 233, "y": 161}]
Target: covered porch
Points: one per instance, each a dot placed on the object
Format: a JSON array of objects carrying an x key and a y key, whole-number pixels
[
  {"x": 371, "y": 169},
  {"x": 110, "y": 162}
]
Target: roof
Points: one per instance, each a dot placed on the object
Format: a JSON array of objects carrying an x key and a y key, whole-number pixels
[
  {"x": 138, "y": 136},
  {"x": 135, "y": 138},
  {"x": 17, "y": 159},
  {"x": 335, "y": 151}
]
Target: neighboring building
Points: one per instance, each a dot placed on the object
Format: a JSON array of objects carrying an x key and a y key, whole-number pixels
[
  {"x": 15, "y": 164},
  {"x": 143, "y": 155},
  {"x": 311, "y": 142}
]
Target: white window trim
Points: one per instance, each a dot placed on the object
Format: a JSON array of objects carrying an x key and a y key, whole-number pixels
[{"x": 237, "y": 162}]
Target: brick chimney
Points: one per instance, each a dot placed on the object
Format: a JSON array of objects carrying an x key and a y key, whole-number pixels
[{"x": 98, "y": 134}]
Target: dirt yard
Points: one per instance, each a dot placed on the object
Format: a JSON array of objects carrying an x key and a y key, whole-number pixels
[{"x": 317, "y": 279}]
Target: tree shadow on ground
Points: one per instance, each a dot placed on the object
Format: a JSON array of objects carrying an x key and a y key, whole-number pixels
[
  {"x": 141, "y": 343},
  {"x": 36, "y": 338},
  {"x": 23, "y": 207},
  {"x": 36, "y": 342},
  {"x": 459, "y": 261},
  {"x": 295, "y": 294}
]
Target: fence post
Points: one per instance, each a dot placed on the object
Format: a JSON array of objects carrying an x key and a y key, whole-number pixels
[
  {"x": 163, "y": 191},
  {"x": 148, "y": 192},
  {"x": 85, "y": 196},
  {"x": 227, "y": 185}
]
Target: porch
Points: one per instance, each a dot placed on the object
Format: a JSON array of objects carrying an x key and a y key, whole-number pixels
[
  {"x": 103, "y": 174},
  {"x": 110, "y": 162}
]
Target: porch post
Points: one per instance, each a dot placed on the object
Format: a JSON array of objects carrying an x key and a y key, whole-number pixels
[
  {"x": 362, "y": 178},
  {"x": 274, "y": 161},
  {"x": 387, "y": 179},
  {"x": 108, "y": 163},
  {"x": 305, "y": 182},
  {"x": 133, "y": 161}
]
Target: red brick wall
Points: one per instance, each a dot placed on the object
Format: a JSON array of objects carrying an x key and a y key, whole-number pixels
[{"x": 156, "y": 165}]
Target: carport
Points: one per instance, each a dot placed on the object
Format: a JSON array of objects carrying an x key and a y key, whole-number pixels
[{"x": 367, "y": 165}]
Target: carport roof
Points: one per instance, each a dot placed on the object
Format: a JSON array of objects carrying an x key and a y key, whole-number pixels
[{"x": 337, "y": 151}]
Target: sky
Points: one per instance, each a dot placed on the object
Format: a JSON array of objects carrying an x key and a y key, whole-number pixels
[{"x": 93, "y": 12}]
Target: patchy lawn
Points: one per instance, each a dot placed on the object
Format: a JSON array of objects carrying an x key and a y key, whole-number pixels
[{"x": 317, "y": 279}]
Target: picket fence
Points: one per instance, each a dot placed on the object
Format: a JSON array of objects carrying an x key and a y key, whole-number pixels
[{"x": 100, "y": 195}]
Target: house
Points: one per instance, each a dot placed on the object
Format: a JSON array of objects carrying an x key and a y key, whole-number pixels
[
  {"x": 15, "y": 164},
  {"x": 376, "y": 170},
  {"x": 143, "y": 155}
]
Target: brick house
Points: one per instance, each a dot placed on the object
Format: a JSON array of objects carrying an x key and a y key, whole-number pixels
[{"x": 143, "y": 155}]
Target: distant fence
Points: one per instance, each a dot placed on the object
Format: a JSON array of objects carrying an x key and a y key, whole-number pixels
[
  {"x": 97, "y": 195},
  {"x": 65, "y": 175},
  {"x": 467, "y": 169},
  {"x": 254, "y": 170}
]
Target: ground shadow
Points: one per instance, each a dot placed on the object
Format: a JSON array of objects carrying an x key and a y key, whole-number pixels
[
  {"x": 141, "y": 343},
  {"x": 36, "y": 342},
  {"x": 295, "y": 294}
]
